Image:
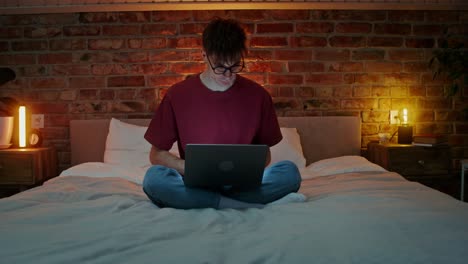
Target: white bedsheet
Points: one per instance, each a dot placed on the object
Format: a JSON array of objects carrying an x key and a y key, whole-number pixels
[{"x": 356, "y": 217}]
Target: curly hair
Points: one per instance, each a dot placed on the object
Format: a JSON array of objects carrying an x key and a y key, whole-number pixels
[{"x": 224, "y": 39}]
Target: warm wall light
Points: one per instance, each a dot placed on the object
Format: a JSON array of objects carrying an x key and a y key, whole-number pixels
[{"x": 22, "y": 127}]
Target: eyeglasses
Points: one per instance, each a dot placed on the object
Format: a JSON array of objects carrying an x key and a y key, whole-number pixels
[{"x": 236, "y": 68}]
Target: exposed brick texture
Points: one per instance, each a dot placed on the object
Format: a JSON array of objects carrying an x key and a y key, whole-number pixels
[{"x": 313, "y": 62}]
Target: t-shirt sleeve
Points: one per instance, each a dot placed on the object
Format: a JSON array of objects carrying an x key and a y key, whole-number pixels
[
  {"x": 162, "y": 130},
  {"x": 269, "y": 132}
]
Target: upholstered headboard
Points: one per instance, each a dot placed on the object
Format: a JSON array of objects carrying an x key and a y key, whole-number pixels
[{"x": 321, "y": 137}]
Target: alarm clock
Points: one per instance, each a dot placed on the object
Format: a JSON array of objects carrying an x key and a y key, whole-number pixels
[{"x": 35, "y": 138}]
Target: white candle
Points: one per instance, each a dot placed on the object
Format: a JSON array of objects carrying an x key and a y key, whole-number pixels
[{"x": 405, "y": 116}]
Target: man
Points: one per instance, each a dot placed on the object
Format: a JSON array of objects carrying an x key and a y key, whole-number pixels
[{"x": 215, "y": 107}]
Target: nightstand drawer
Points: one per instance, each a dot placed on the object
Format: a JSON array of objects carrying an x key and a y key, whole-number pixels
[
  {"x": 16, "y": 169},
  {"x": 419, "y": 161}
]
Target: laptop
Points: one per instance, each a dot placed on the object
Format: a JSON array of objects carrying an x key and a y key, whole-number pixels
[{"x": 216, "y": 165}]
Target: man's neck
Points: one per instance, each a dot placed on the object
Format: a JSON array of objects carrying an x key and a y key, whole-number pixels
[{"x": 211, "y": 84}]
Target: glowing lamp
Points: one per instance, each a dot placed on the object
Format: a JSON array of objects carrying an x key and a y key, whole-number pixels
[
  {"x": 22, "y": 127},
  {"x": 405, "y": 131}
]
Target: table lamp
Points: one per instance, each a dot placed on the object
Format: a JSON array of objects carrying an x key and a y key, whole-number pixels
[{"x": 405, "y": 131}]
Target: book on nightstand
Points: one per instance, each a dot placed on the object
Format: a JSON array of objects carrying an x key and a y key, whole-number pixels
[{"x": 430, "y": 140}]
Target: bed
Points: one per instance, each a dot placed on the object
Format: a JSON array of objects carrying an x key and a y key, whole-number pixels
[{"x": 355, "y": 212}]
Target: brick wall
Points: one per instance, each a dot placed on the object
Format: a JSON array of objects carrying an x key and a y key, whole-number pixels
[{"x": 119, "y": 64}]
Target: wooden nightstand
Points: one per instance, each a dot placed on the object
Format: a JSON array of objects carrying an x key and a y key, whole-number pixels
[
  {"x": 430, "y": 166},
  {"x": 21, "y": 169}
]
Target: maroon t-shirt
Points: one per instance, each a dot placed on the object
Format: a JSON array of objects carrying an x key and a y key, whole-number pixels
[{"x": 192, "y": 113}]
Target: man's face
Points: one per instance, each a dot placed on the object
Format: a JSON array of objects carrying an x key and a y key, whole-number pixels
[{"x": 224, "y": 73}]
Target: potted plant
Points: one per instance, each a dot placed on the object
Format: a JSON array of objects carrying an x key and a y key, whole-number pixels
[{"x": 450, "y": 61}]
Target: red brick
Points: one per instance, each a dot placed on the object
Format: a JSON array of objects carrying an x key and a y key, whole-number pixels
[
  {"x": 185, "y": 67},
  {"x": 87, "y": 82},
  {"x": 406, "y": 54},
  {"x": 351, "y": 27},
  {"x": 346, "y": 67},
  {"x": 203, "y": 15},
  {"x": 32, "y": 45},
  {"x": 359, "y": 104},
  {"x": 274, "y": 28},
  {"x": 437, "y": 103},
  {"x": 363, "y": 78},
  {"x": 362, "y": 91},
  {"x": 126, "y": 81},
  {"x": 126, "y": 57},
  {"x": 259, "y": 54},
  {"x": 135, "y": 17},
  {"x": 306, "y": 67},
  {"x": 48, "y": 82},
  {"x": 114, "y": 30},
  {"x": 264, "y": 66},
  {"x": 435, "y": 90},
  {"x": 192, "y": 28},
  {"x": 164, "y": 80},
  {"x": 306, "y": 91},
  {"x": 419, "y": 43},
  {"x": 159, "y": 29},
  {"x": 385, "y": 42},
  {"x": 67, "y": 44},
  {"x": 461, "y": 128},
  {"x": 380, "y": 91},
  {"x": 88, "y": 94},
  {"x": 99, "y": 17},
  {"x": 184, "y": 43},
  {"x": 95, "y": 57},
  {"x": 289, "y": 14},
  {"x": 154, "y": 68},
  {"x": 314, "y": 27},
  {"x": 373, "y": 66},
  {"x": 286, "y": 91},
  {"x": 151, "y": 43},
  {"x": 401, "y": 78},
  {"x": 392, "y": 29},
  {"x": 171, "y": 16},
  {"x": 423, "y": 116},
  {"x": 375, "y": 116},
  {"x": 416, "y": 67},
  {"x": 321, "y": 104},
  {"x": 56, "y": 19},
  {"x": 126, "y": 94},
  {"x": 11, "y": 32},
  {"x": 291, "y": 54},
  {"x": 42, "y": 32},
  {"x": 49, "y": 108},
  {"x": 332, "y": 55},
  {"x": 324, "y": 78},
  {"x": 370, "y": 15},
  {"x": 105, "y": 44},
  {"x": 269, "y": 42},
  {"x": 169, "y": 55},
  {"x": 88, "y": 107},
  {"x": 109, "y": 69},
  {"x": 106, "y": 94},
  {"x": 447, "y": 116},
  {"x": 70, "y": 69},
  {"x": 428, "y": 30},
  {"x": 405, "y": 16},
  {"x": 17, "y": 20},
  {"x": 368, "y": 54},
  {"x": 249, "y": 15},
  {"x": 442, "y": 16},
  {"x": 285, "y": 79},
  {"x": 54, "y": 58},
  {"x": 55, "y": 120},
  {"x": 417, "y": 90},
  {"x": 29, "y": 71},
  {"x": 347, "y": 41},
  {"x": 81, "y": 30},
  {"x": 3, "y": 46},
  {"x": 308, "y": 41}
]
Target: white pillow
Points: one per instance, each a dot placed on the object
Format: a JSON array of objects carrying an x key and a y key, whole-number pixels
[
  {"x": 343, "y": 164},
  {"x": 126, "y": 145},
  {"x": 289, "y": 148}
]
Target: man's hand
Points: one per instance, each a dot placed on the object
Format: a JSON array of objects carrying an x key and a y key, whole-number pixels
[{"x": 167, "y": 159}]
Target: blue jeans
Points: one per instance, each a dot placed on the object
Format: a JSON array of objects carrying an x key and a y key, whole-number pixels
[{"x": 165, "y": 187}]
